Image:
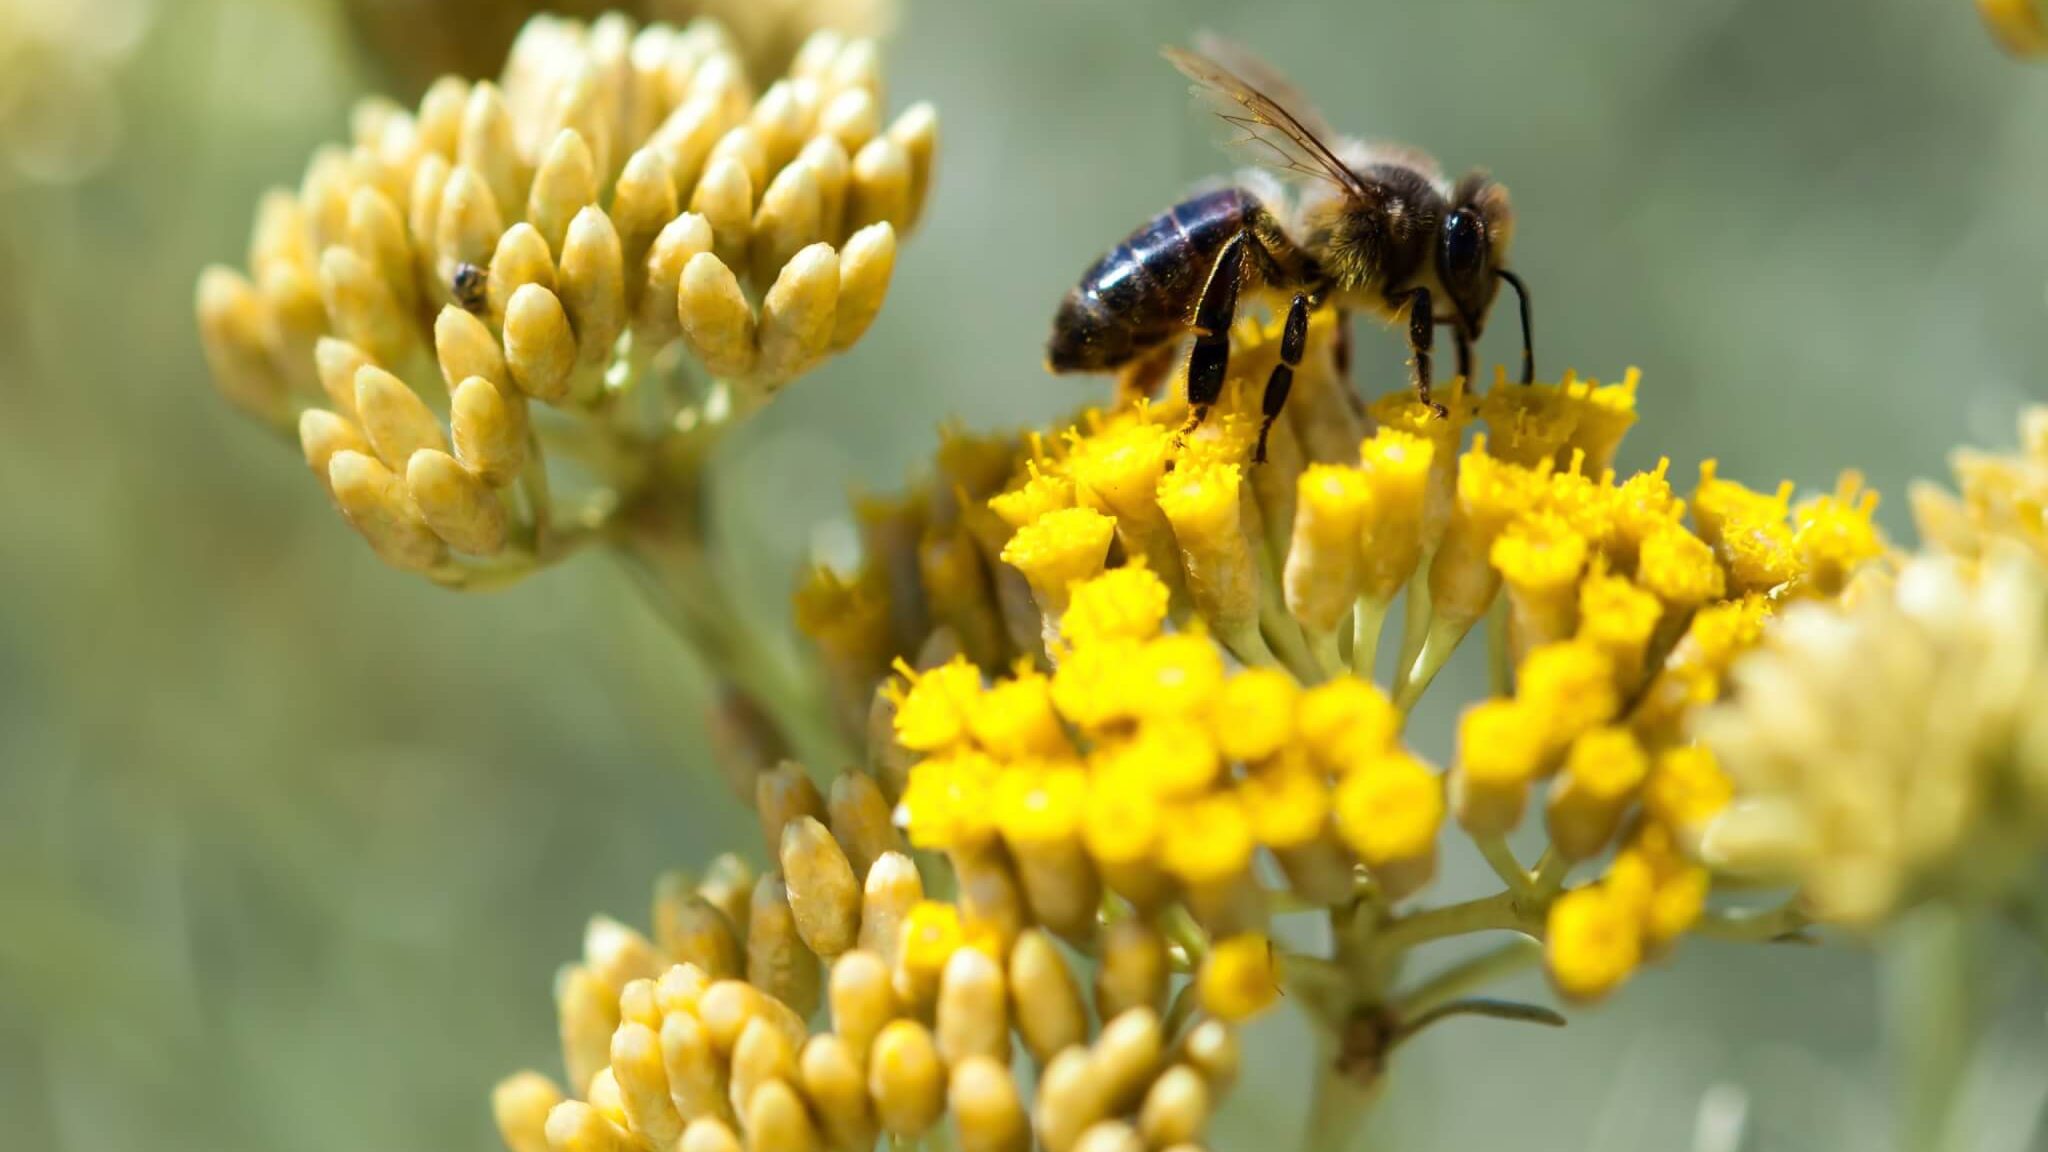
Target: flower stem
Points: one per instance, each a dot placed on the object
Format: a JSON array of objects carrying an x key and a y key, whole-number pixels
[
  {"x": 1929, "y": 1018},
  {"x": 1338, "y": 1107},
  {"x": 1368, "y": 619},
  {"x": 1469, "y": 975},
  {"x": 1500, "y": 911},
  {"x": 1501, "y": 859}
]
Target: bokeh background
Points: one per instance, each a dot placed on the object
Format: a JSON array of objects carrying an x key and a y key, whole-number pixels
[{"x": 290, "y": 845}]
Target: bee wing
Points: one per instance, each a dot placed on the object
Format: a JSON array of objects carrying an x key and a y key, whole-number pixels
[{"x": 1278, "y": 129}]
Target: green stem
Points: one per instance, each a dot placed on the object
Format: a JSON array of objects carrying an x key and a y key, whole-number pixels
[
  {"x": 1495, "y": 964},
  {"x": 1338, "y": 1107},
  {"x": 1500, "y": 911},
  {"x": 1368, "y": 620},
  {"x": 1929, "y": 1018},
  {"x": 1501, "y": 859},
  {"x": 1551, "y": 870},
  {"x": 1500, "y": 660},
  {"x": 1442, "y": 639}
]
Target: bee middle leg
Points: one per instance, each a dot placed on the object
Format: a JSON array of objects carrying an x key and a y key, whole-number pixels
[
  {"x": 1421, "y": 338},
  {"x": 1293, "y": 341},
  {"x": 1214, "y": 312},
  {"x": 1464, "y": 346}
]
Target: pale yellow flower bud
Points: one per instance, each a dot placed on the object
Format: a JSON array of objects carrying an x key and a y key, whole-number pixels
[
  {"x": 593, "y": 286},
  {"x": 540, "y": 347},
  {"x": 880, "y": 187},
  {"x": 441, "y": 112},
  {"x": 891, "y": 890},
  {"x": 336, "y": 362},
  {"x": 489, "y": 427},
  {"x": 863, "y": 999},
  {"x": 789, "y": 218},
  {"x": 325, "y": 191},
  {"x": 832, "y": 165},
  {"x": 906, "y": 1079},
  {"x": 642, "y": 204},
  {"x": 460, "y": 508},
  {"x": 1322, "y": 575},
  {"x": 696, "y": 1075},
  {"x": 693, "y": 930},
  {"x": 564, "y": 185},
  {"x": 282, "y": 233},
  {"x": 237, "y": 328},
  {"x": 679, "y": 241},
  {"x": 724, "y": 196},
  {"x": 397, "y": 422},
  {"x": 866, "y": 264},
  {"x": 1070, "y": 1098},
  {"x": 643, "y": 1085},
  {"x": 587, "y": 1012},
  {"x": 852, "y": 117},
  {"x": 762, "y": 1054},
  {"x": 640, "y": 1003},
  {"x": 783, "y": 794},
  {"x": 709, "y": 1134},
  {"x": 797, "y": 315},
  {"x": 988, "y": 1115},
  {"x": 1044, "y": 999},
  {"x": 778, "y": 1122},
  {"x": 470, "y": 222},
  {"x": 423, "y": 225},
  {"x": 465, "y": 347},
  {"x": 1212, "y": 1049},
  {"x": 729, "y": 884},
  {"x": 916, "y": 131},
  {"x": 520, "y": 1104},
  {"x": 1176, "y": 1110},
  {"x": 824, "y": 894},
  {"x": 860, "y": 820},
  {"x": 521, "y": 258},
  {"x": 728, "y": 1005},
  {"x": 1109, "y": 1136},
  {"x": 836, "y": 1085},
  {"x": 574, "y": 1126},
  {"x": 778, "y": 963},
  {"x": 1125, "y": 1057},
  {"x": 322, "y": 434},
  {"x": 1133, "y": 971},
  {"x": 377, "y": 232},
  {"x": 990, "y": 900},
  {"x": 973, "y": 1013},
  {"x": 717, "y": 322},
  {"x": 362, "y": 307},
  {"x": 744, "y": 146},
  {"x": 781, "y": 119},
  {"x": 375, "y": 502}
]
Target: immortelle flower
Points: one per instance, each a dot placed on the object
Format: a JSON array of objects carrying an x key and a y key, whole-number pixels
[
  {"x": 1136, "y": 692},
  {"x": 829, "y": 1004},
  {"x": 1894, "y": 748},
  {"x": 514, "y": 322}
]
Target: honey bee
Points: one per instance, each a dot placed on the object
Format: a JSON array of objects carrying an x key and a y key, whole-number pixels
[
  {"x": 1365, "y": 228},
  {"x": 469, "y": 287}
]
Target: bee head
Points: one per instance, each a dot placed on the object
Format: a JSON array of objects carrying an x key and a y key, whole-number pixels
[{"x": 1472, "y": 247}]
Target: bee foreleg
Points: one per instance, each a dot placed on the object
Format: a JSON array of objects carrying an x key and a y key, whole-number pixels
[
  {"x": 1421, "y": 337},
  {"x": 1214, "y": 311},
  {"x": 1522, "y": 299},
  {"x": 1464, "y": 345},
  {"x": 1293, "y": 341}
]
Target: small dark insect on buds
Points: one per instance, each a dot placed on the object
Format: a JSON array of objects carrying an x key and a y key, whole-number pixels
[{"x": 469, "y": 286}]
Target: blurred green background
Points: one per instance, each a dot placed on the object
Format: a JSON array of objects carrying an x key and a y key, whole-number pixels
[{"x": 290, "y": 844}]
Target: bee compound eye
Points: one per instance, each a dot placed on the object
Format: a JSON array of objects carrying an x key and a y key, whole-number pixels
[{"x": 1464, "y": 243}]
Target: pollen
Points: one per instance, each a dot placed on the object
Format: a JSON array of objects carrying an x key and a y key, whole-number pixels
[
  {"x": 1240, "y": 978},
  {"x": 1390, "y": 808},
  {"x": 1207, "y": 841},
  {"x": 1678, "y": 567},
  {"x": 1527, "y": 425},
  {"x": 1255, "y": 717},
  {"x": 1125, "y": 603},
  {"x": 1593, "y": 942},
  {"x": 931, "y": 714}
]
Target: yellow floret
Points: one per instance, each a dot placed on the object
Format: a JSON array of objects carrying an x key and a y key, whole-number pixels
[
  {"x": 1128, "y": 602},
  {"x": 1121, "y": 824},
  {"x": 1833, "y": 534},
  {"x": 1571, "y": 684},
  {"x": 1254, "y": 718},
  {"x": 931, "y": 714},
  {"x": 1607, "y": 763},
  {"x": 1331, "y": 503},
  {"x": 1201, "y": 502},
  {"x": 1678, "y": 567},
  {"x": 1540, "y": 554},
  {"x": 1015, "y": 717},
  {"x": 1501, "y": 741},
  {"x": 1390, "y": 808},
  {"x": 1239, "y": 978},
  {"x": 1176, "y": 675},
  {"x": 1207, "y": 841},
  {"x": 1617, "y": 615},
  {"x": 1347, "y": 721},
  {"x": 1094, "y": 686},
  {"x": 945, "y": 803},
  {"x": 1687, "y": 788},
  {"x": 1041, "y": 495},
  {"x": 1527, "y": 425},
  {"x": 1593, "y": 942},
  {"x": 1173, "y": 755},
  {"x": 1041, "y": 802},
  {"x": 1060, "y": 548},
  {"x": 1119, "y": 469},
  {"x": 1288, "y": 805}
]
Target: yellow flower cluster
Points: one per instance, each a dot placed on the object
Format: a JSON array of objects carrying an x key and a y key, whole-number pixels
[
  {"x": 701, "y": 1039},
  {"x": 1894, "y": 748},
  {"x": 558, "y": 238}
]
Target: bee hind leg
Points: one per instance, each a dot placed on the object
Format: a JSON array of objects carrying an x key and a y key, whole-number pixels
[
  {"x": 1209, "y": 360},
  {"x": 1421, "y": 337},
  {"x": 1293, "y": 341},
  {"x": 1464, "y": 346}
]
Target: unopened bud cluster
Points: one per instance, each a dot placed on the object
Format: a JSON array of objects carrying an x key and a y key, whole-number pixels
[
  {"x": 828, "y": 1004},
  {"x": 554, "y": 240}
]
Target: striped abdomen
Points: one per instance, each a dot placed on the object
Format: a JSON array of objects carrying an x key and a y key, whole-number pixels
[{"x": 1141, "y": 295}]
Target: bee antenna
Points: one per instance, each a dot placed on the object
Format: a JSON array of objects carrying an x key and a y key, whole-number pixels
[{"x": 1522, "y": 298}]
